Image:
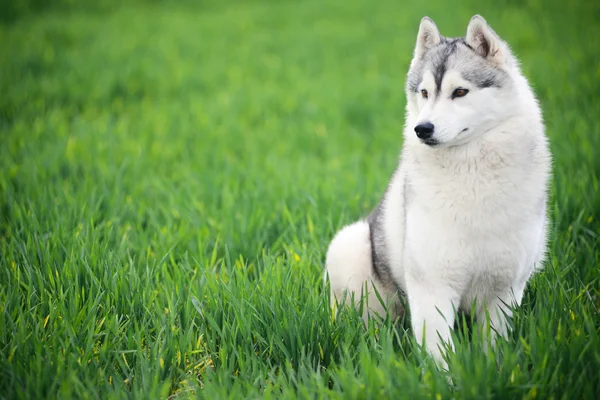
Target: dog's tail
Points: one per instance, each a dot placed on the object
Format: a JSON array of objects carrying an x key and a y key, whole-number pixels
[{"x": 349, "y": 267}]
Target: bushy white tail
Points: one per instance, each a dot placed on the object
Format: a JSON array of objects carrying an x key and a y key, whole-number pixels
[{"x": 350, "y": 271}]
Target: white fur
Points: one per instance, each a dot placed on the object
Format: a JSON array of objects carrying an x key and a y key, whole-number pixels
[
  {"x": 472, "y": 226},
  {"x": 348, "y": 258}
]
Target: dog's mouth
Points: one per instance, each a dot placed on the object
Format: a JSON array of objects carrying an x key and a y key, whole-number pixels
[{"x": 431, "y": 142}]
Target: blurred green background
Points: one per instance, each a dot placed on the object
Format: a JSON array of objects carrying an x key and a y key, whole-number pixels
[{"x": 171, "y": 173}]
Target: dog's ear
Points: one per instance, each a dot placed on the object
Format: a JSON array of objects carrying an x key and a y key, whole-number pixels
[
  {"x": 484, "y": 40},
  {"x": 429, "y": 36}
]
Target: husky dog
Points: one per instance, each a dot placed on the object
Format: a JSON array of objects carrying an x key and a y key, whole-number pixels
[{"x": 463, "y": 221}]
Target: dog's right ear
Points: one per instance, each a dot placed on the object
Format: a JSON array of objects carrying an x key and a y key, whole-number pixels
[{"x": 428, "y": 37}]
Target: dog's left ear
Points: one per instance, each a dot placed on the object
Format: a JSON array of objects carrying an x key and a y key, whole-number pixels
[{"x": 485, "y": 41}]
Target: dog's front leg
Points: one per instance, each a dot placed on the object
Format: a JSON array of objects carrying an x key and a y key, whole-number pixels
[{"x": 432, "y": 308}]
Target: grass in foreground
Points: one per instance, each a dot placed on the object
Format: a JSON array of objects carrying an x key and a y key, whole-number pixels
[{"x": 171, "y": 174}]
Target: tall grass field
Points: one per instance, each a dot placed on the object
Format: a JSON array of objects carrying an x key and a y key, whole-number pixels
[{"x": 171, "y": 173}]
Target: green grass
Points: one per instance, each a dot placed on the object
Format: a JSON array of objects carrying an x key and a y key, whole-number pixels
[{"x": 171, "y": 174}]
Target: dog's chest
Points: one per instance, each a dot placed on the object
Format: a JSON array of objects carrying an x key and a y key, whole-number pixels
[
  {"x": 472, "y": 196},
  {"x": 472, "y": 219}
]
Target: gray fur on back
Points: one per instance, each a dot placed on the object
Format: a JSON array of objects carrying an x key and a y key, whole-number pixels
[{"x": 381, "y": 267}]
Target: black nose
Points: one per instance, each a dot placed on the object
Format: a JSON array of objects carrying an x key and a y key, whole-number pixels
[{"x": 424, "y": 130}]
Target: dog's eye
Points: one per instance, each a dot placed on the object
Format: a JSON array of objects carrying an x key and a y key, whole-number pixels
[
  {"x": 424, "y": 93},
  {"x": 460, "y": 92}
]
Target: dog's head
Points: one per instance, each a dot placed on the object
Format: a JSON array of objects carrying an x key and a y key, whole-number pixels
[{"x": 458, "y": 88}]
